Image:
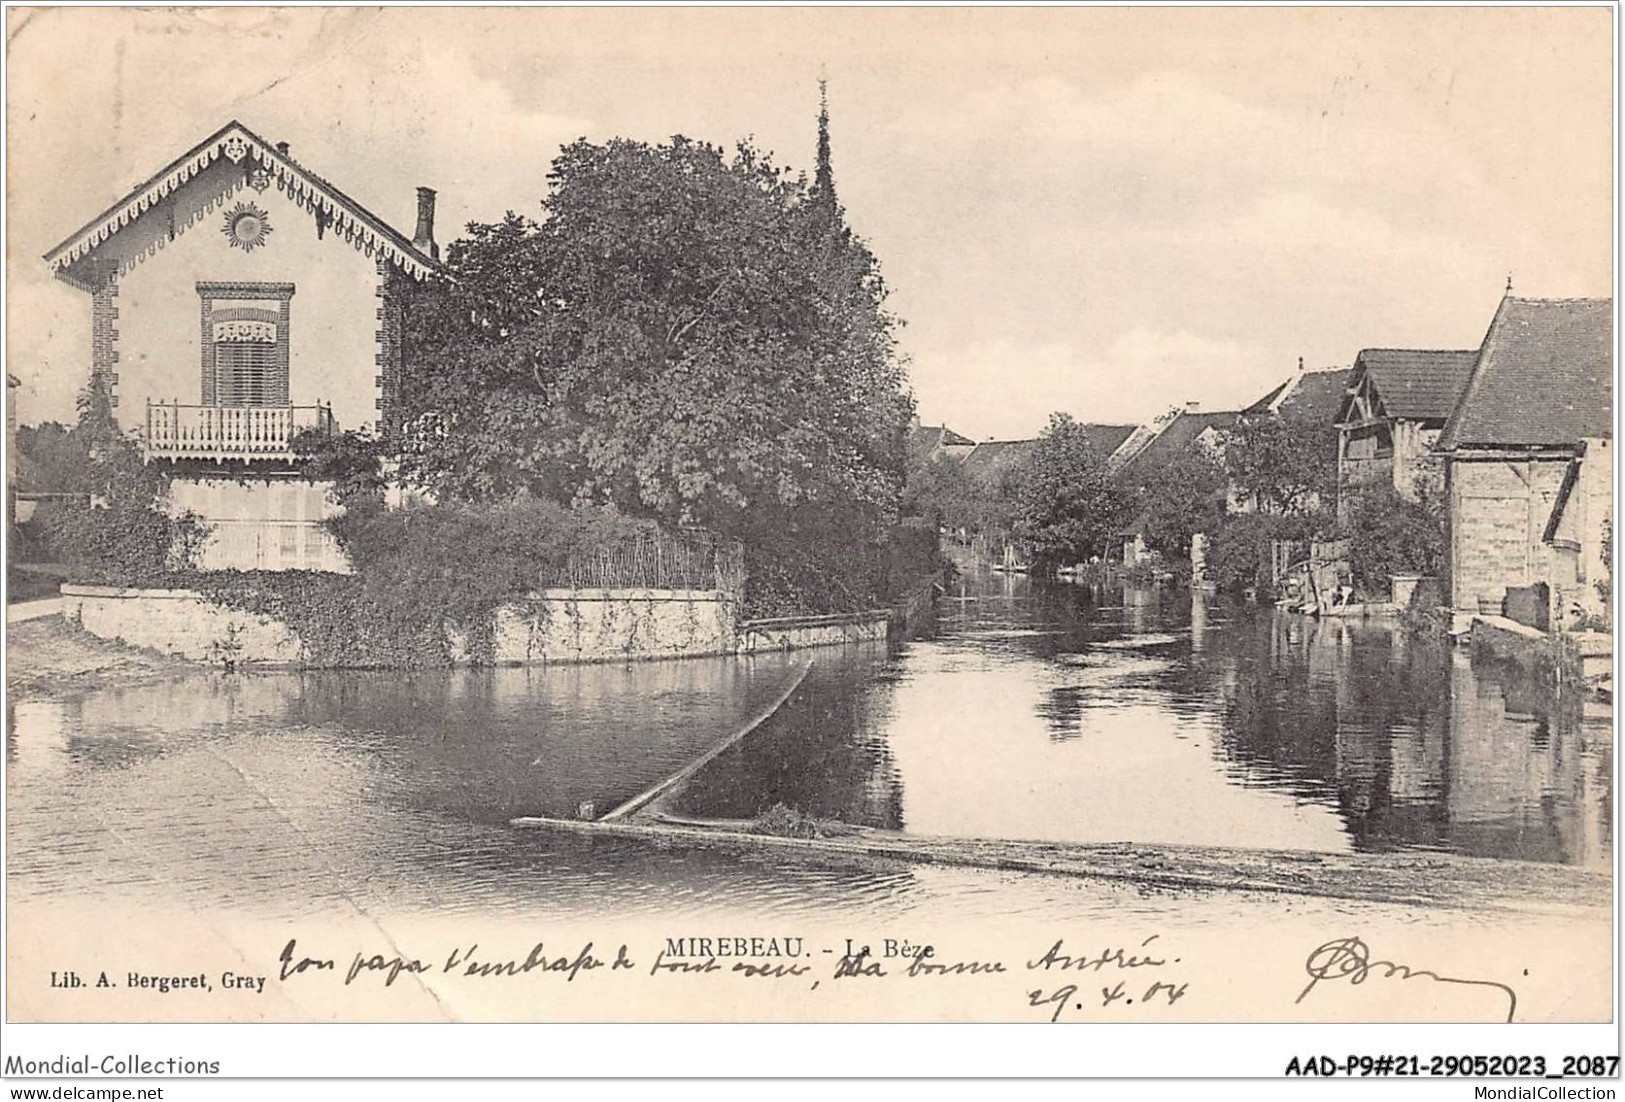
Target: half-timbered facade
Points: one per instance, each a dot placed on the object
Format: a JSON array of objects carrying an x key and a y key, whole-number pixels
[{"x": 1397, "y": 404}]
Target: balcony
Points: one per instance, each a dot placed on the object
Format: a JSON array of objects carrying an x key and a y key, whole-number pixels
[{"x": 175, "y": 431}]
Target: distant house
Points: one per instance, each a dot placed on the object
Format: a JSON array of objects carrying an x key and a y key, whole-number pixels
[
  {"x": 930, "y": 442},
  {"x": 1185, "y": 430},
  {"x": 1397, "y": 403},
  {"x": 1309, "y": 397},
  {"x": 1529, "y": 458},
  {"x": 1308, "y": 401},
  {"x": 234, "y": 300},
  {"x": 989, "y": 462}
]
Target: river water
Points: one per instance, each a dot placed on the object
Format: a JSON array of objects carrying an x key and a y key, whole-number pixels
[{"x": 1027, "y": 711}]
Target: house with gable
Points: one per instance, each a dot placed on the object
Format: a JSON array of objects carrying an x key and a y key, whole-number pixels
[
  {"x": 928, "y": 443},
  {"x": 1397, "y": 403},
  {"x": 1529, "y": 460},
  {"x": 1308, "y": 397},
  {"x": 1154, "y": 452},
  {"x": 236, "y": 299}
]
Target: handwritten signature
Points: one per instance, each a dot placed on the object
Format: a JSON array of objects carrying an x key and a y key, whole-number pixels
[{"x": 1349, "y": 958}]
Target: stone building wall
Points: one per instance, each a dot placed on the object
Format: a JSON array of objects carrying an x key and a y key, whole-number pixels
[{"x": 1497, "y": 517}]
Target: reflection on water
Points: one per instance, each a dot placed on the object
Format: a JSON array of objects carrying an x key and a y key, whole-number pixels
[
  {"x": 1027, "y": 712},
  {"x": 1065, "y": 713}
]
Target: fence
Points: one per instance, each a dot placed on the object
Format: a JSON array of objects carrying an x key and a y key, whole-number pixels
[{"x": 687, "y": 560}]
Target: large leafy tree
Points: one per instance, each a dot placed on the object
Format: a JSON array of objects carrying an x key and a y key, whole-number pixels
[
  {"x": 1283, "y": 466},
  {"x": 1184, "y": 496},
  {"x": 1066, "y": 507},
  {"x": 687, "y": 334}
]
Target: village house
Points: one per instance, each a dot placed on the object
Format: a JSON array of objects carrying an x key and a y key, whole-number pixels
[
  {"x": 1529, "y": 464},
  {"x": 992, "y": 466},
  {"x": 1309, "y": 401},
  {"x": 237, "y": 299},
  {"x": 991, "y": 460},
  {"x": 928, "y": 443},
  {"x": 1397, "y": 403},
  {"x": 1170, "y": 436}
]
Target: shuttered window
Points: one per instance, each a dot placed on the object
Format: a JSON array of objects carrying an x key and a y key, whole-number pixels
[
  {"x": 245, "y": 343},
  {"x": 247, "y": 373}
]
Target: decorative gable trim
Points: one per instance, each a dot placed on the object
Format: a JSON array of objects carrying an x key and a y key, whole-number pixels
[{"x": 333, "y": 209}]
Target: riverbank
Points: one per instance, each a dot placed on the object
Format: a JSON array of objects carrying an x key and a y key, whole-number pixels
[
  {"x": 1431, "y": 880},
  {"x": 49, "y": 657}
]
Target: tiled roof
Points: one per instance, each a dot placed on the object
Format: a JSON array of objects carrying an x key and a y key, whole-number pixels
[
  {"x": 1316, "y": 397},
  {"x": 925, "y": 440},
  {"x": 1414, "y": 384},
  {"x": 1178, "y": 435},
  {"x": 1544, "y": 376},
  {"x": 990, "y": 459},
  {"x": 1264, "y": 403},
  {"x": 1107, "y": 438}
]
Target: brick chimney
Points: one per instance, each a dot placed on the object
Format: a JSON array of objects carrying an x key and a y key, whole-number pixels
[
  {"x": 424, "y": 238},
  {"x": 1193, "y": 407}
]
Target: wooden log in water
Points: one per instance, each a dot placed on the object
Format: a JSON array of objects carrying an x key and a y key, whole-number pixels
[{"x": 649, "y": 795}]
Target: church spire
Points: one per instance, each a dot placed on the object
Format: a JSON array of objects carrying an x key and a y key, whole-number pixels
[{"x": 823, "y": 189}]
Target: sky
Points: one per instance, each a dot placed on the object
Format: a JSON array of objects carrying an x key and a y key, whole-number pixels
[{"x": 1106, "y": 212}]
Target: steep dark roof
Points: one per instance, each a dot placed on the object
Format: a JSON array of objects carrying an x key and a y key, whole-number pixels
[
  {"x": 1543, "y": 376},
  {"x": 1264, "y": 403},
  {"x": 923, "y": 440},
  {"x": 1175, "y": 437},
  {"x": 987, "y": 461},
  {"x": 1107, "y": 438},
  {"x": 1317, "y": 396},
  {"x": 1414, "y": 384},
  {"x": 991, "y": 459}
]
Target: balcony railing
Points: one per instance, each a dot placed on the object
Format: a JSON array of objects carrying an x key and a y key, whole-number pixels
[{"x": 175, "y": 431}]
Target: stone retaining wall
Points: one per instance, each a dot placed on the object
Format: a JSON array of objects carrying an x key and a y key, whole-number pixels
[
  {"x": 179, "y": 622},
  {"x": 556, "y": 625},
  {"x": 553, "y": 625},
  {"x": 1582, "y": 655},
  {"x": 608, "y": 625},
  {"x": 798, "y": 632}
]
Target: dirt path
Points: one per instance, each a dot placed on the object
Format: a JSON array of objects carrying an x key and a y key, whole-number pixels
[{"x": 48, "y": 658}]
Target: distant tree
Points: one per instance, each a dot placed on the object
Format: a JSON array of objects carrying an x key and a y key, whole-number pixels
[
  {"x": 1066, "y": 508},
  {"x": 1282, "y": 466},
  {"x": 53, "y": 462},
  {"x": 940, "y": 490}
]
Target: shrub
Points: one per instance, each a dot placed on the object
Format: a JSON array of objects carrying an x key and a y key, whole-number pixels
[
  {"x": 128, "y": 536},
  {"x": 1389, "y": 534},
  {"x": 1238, "y": 555},
  {"x": 423, "y": 569}
]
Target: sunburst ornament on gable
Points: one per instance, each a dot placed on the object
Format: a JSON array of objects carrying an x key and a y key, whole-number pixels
[{"x": 246, "y": 226}]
